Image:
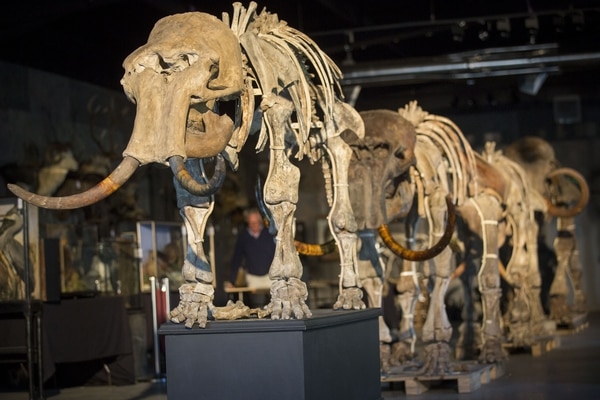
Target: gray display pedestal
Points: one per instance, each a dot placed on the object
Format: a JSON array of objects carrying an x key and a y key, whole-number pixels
[{"x": 332, "y": 355}]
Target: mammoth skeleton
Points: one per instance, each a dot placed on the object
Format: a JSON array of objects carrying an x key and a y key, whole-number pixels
[
  {"x": 524, "y": 319},
  {"x": 558, "y": 193},
  {"x": 425, "y": 168},
  {"x": 193, "y": 69},
  {"x": 372, "y": 174},
  {"x": 379, "y": 196},
  {"x": 426, "y": 158}
]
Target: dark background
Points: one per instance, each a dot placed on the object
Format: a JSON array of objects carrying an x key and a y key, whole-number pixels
[{"x": 88, "y": 39}]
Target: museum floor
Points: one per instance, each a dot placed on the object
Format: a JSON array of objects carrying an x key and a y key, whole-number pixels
[{"x": 570, "y": 371}]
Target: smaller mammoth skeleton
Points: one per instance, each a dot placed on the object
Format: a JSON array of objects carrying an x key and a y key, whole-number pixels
[
  {"x": 524, "y": 319},
  {"x": 420, "y": 166},
  {"x": 383, "y": 189},
  {"x": 558, "y": 193}
]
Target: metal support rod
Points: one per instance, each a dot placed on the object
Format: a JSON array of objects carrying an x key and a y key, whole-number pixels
[
  {"x": 166, "y": 292},
  {"x": 40, "y": 353},
  {"x": 153, "y": 287},
  {"x": 22, "y": 208},
  {"x": 211, "y": 240}
]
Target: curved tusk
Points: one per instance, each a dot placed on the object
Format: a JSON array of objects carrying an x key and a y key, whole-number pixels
[
  {"x": 564, "y": 212},
  {"x": 422, "y": 255},
  {"x": 268, "y": 219},
  {"x": 309, "y": 249},
  {"x": 306, "y": 249},
  {"x": 189, "y": 183},
  {"x": 105, "y": 188}
]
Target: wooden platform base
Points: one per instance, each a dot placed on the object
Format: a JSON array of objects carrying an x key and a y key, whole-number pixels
[
  {"x": 577, "y": 323},
  {"x": 539, "y": 347},
  {"x": 466, "y": 376}
]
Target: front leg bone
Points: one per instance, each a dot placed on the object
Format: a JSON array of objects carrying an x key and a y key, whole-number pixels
[
  {"x": 194, "y": 303},
  {"x": 288, "y": 292},
  {"x": 288, "y": 300},
  {"x": 437, "y": 326},
  {"x": 343, "y": 227},
  {"x": 489, "y": 281},
  {"x": 197, "y": 293}
]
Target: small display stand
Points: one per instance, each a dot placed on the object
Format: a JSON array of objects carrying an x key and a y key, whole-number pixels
[{"x": 332, "y": 355}]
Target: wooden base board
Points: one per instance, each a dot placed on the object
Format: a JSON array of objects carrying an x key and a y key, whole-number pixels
[
  {"x": 577, "y": 323},
  {"x": 539, "y": 347},
  {"x": 467, "y": 376}
]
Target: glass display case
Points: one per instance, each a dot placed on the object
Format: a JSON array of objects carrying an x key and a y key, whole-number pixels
[
  {"x": 90, "y": 266},
  {"x": 163, "y": 246},
  {"x": 17, "y": 220}
]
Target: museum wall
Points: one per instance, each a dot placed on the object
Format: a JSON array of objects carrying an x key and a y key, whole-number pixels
[{"x": 38, "y": 109}]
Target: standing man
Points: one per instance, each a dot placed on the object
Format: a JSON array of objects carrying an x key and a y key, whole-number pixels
[{"x": 254, "y": 250}]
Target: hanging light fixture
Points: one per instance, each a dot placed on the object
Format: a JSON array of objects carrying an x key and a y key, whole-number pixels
[
  {"x": 532, "y": 25},
  {"x": 503, "y": 27},
  {"x": 458, "y": 31}
]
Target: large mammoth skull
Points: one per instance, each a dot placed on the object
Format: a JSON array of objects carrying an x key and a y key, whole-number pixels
[
  {"x": 378, "y": 162},
  {"x": 565, "y": 192},
  {"x": 190, "y": 62},
  {"x": 537, "y": 158},
  {"x": 380, "y": 188}
]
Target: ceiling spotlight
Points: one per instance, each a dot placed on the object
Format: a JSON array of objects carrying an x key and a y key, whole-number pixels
[
  {"x": 484, "y": 29},
  {"x": 532, "y": 25},
  {"x": 532, "y": 38},
  {"x": 559, "y": 23},
  {"x": 458, "y": 31},
  {"x": 531, "y": 84},
  {"x": 349, "y": 60},
  {"x": 577, "y": 20},
  {"x": 503, "y": 27}
]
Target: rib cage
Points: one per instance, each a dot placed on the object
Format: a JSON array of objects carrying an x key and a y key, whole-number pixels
[
  {"x": 456, "y": 149},
  {"x": 314, "y": 79}
]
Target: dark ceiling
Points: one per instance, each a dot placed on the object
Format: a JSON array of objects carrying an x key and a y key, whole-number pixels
[{"x": 383, "y": 47}]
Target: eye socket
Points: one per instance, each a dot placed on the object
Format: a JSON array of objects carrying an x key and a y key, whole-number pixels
[
  {"x": 188, "y": 58},
  {"x": 162, "y": 63},
  {"x": 400, "y": 153},
  {"x": 381, "y": 150},
  {"x": 214, "y": 69},
  {"x": 169, "y": 63}
]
